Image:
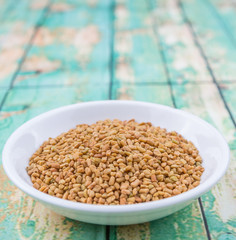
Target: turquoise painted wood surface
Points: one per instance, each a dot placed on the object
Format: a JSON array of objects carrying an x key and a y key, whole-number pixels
[{"x": 180, "y": 53}]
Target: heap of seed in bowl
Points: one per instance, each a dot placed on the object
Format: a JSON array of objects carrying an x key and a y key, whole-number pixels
[{"x": 116, "y": 162}]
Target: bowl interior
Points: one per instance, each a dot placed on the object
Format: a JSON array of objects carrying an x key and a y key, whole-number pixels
[{"x": 25, "y": 140}]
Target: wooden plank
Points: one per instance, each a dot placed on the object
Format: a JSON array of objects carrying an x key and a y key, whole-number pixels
[
  {"x": 219, "y": 204},
  {"x": 151, "y": 93},
  {"x": 16, "y": 31},
  {"x": 136, "y": 54},
  {"x": 184, "y": 62},
  {"x": 218, "y": 47},
  {"x": 173, "y": 226},
  {"x": 72, "y": 46},
  {"x": 137, "y": 57},
  {"x": 20, "y": 216},
  {"x": 186, "y": 224}
]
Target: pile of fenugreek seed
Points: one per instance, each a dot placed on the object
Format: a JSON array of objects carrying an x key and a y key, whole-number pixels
[{"x": 116, "y": 162}]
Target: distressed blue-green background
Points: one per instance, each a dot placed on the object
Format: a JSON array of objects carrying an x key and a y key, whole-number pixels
[{"x": 178, "y": 53}]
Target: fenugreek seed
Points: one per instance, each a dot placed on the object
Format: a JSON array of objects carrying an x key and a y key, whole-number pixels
[
  {"x": 152, "y": 191},
  {"x": 109, "y": 189},
  {"x": 119, "y": 174},
  {"x": 122, "y": 201},
  {"x": 170, "y": 185},
  {"x": 175, "y": 141},
  {"x": 174, "y": 178},
  {"x": 107, "y": 171},
  {"x": 195, "y": 184},
  {"x": 160, "y": 178},
  {"x": 196, "y": 177},
  {"x": 119, "y": 180},
  {"x": 161, "y": 150},
  {"x": 65, "y": 195},
  {"x": 115, "y": 162},
  {"x": 128, "y": 168},
  {"x": 124, "y": 185},
  {"x": 135, "y": 183},
  {"x": 132, "y": 179},
  {"x": 36, "y": 185},
  {"x": 142, "y": 150},
  {"x": 62, "y": 181},
  {"x": 112, "y": 180},
  {"x": 167, "y": 190},
  {"x": 97, "y": 188},
  {"x": 153, "y": 178},
  {"x": 143, "y": 190},
  {"x": 117, "y": 185},
  {"x": 176, "y": 191},
  {"x": 110, "y": 199},
  {"x": 131, "y": 200},
  {"x": 125, "y": 191}
]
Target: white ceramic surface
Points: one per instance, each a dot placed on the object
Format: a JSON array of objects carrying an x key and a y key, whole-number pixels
[{"x": 27, "y": 138}]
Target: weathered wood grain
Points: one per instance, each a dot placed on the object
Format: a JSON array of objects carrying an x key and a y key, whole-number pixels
[
  {"x": 69, "y": 46},
  {"x": 182, "y": 57},
  {"x": 16, "y": 30},
  {"x": 20, "y": 216},
  {"x": 150, "y": 93},
  {"x": 217, "y": 46},
  {"x": 136, "y": 54}
]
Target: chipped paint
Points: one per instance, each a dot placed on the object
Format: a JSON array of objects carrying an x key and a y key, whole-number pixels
[
  {"x": 61, "y": 7},
  {"x": 134, "y": 232},
  {"x": 40, "y": 64},
  {"x": 35, "y": 4}
]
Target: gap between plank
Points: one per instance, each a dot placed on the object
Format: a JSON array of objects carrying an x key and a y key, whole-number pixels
[
  {"x": 111, "y": 70},
  {"x": 45, "y": 14},
  {"x": 161, "y": 50},
  {"x": 204, "y": 218},
  {"x": 112, "y": 35},
  {"x": 107, "y": 232}
]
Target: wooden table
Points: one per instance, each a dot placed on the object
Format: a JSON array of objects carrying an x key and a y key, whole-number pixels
[{"x": 178, "y": 53}]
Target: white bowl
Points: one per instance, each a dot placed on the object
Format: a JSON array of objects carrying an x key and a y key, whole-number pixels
[{"x": 27, "y": 138}]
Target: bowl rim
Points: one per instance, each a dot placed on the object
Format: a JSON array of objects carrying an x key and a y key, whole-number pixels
[{"x": 95, "y": 208}]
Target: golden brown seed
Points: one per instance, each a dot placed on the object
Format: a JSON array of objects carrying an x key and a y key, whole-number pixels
[
  {"x": 124, "y": 185},
  {"x": 122, "y": 201},
  {"x": 115, "y": 162},
  {"x": 112, "y": 180},
  {"x": 36, "y": 185},
  {"x": 135, "y": 183},
  {"x": 144, "y": 190},
  {"x": 153, "y": 178},
  {"x": 176, "y": 191}
]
